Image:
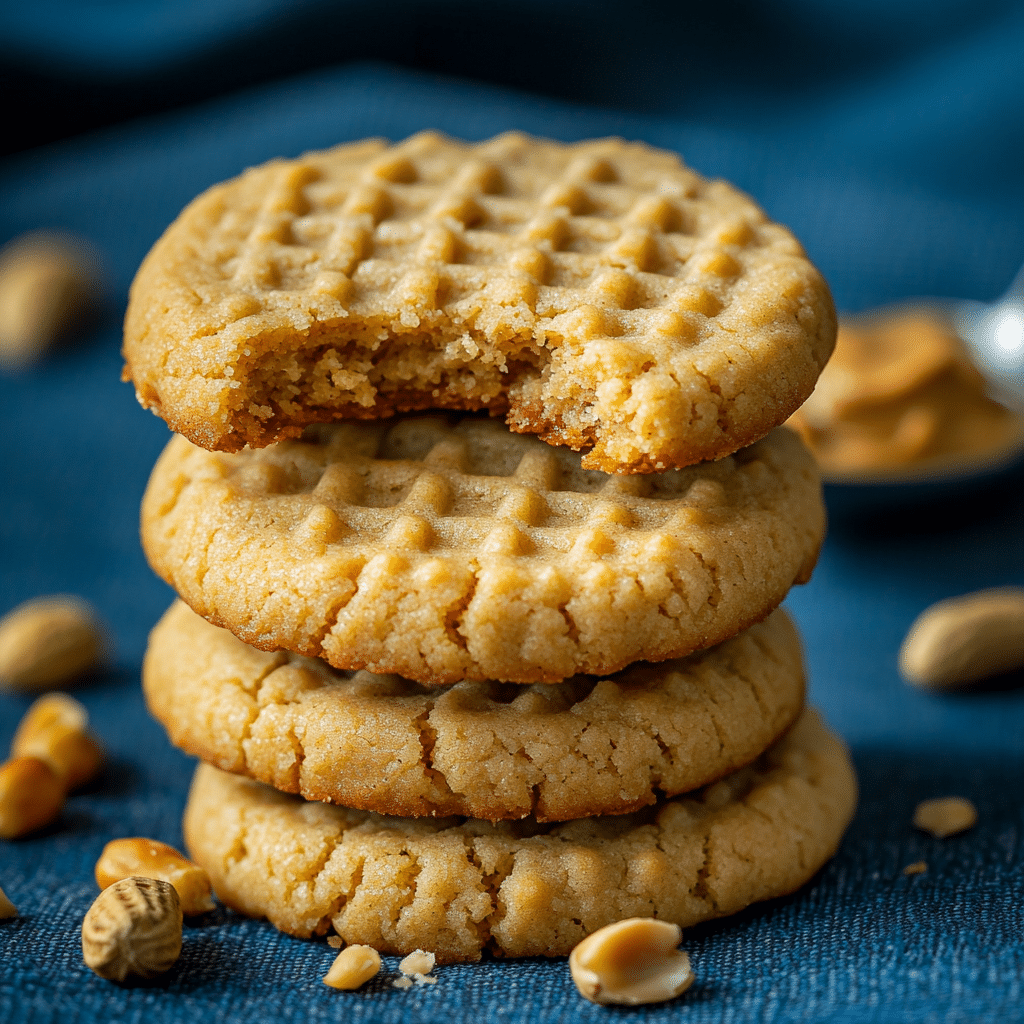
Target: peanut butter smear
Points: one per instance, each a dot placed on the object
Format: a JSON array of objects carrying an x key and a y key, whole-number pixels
[{"x": 900, "y": 396}]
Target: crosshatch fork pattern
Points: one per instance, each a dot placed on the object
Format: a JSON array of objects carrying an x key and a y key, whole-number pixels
[
  {"x": 560, "y": 218},
  {"x": 602, "y": 294},
  {"x": 446, "y": 551},
  {"x": 428, "y": 486}
]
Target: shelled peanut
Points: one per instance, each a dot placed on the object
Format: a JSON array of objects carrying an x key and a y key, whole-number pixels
[
  {"x": 149, "y": 858},
  {"x": 7, "y": 908},
  {"x": 49, "y": 283},
  {"x": 48, "y": 641},
  {"x": 52, "y": 753},
  {"x": 631, "y": 962},
  {"x": 962, "y": 640},
  {"x": 352, "y": 968}
]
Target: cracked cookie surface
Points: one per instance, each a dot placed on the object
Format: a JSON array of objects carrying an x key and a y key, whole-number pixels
[
  {"x": 458, "y": 886},
  {"x": 445, "y": 552},
  {"x": 600, "y": 294},
  {"x": 487, "y": 750}
]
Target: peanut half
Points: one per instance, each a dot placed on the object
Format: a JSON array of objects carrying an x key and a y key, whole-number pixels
[
  {"x": 963, "y": 639},
  {"x": 631, "y": 962},
  {"x": 353, "y": 967},
  {"x": 125, "y": 858},
  {"x": 134, "y": 927},
  {"x": 31, "y": 796},
  {"x": 54, "y": 729},
  {"x": 48, "y": 642}
]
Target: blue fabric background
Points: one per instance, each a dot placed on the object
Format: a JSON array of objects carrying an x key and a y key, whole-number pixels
[{"x": 890, "y": 137}]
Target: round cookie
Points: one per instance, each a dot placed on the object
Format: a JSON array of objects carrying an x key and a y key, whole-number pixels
[
  {"x": 601, "y": 294},
  {"x": 445, "y": 552},
  {"x": 488, "y": 750},
  {"x": 458, "y": 887}
]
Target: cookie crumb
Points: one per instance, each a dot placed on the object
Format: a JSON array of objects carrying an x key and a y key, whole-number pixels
[
  {"x": 919, "y": 867},
  {"x": 417, "y": 967},
  {"x": 402, "y": 982},
  {"x": 335, "y": 941},
  {"x": 945, "y": 816},
  {"x": 417, "y": 962}
]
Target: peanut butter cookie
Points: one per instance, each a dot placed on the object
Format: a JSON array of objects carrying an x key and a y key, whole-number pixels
[
  {"x": 490, "y": 750},
  {"x": 459, "y": 886},
  {"x": 600, "y": 294},
  {"x": 445, "y": 552}
]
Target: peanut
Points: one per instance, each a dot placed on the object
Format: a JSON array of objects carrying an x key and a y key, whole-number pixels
[
  {"x": 7, "y": 908},
  {"x": 353, "y": 966},
  {"x": 125, "y": 858},
  {"x": 134, "y": 927},
  {"x": 964, "y": 639},
  {"x": 31, "y": 796},
  {"x": 945, "y": 816},
  {"x": 48, "y": 642},
  {"x": 47, "y": 283},
  {"x": 54, "y": 730},
  {"x": 631, "y": 962}
]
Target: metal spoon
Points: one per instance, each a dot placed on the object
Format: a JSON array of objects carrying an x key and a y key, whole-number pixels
[{"x": 994, "y": 336}]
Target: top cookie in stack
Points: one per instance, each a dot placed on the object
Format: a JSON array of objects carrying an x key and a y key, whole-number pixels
[{"x": 601, "y": 295}]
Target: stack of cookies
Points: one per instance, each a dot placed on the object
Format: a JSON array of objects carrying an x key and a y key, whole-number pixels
[{"x": 480, "y": 523}]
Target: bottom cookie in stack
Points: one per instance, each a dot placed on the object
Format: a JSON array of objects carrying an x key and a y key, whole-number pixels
[
  {"x": 588, "y": 749},
  {"x": 460, "y": 886}
]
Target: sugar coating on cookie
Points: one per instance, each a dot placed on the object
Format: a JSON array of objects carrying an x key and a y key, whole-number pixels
[
  {"x": 449, "y": 551},
  {"x": 489, "y": 750},
  {"x": 600, "y": 294},
  {"x": 461, "y": 886}
]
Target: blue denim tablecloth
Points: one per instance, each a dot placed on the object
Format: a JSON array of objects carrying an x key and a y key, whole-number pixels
[{"x": 911, "y": 182}]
